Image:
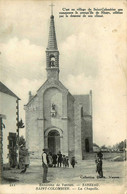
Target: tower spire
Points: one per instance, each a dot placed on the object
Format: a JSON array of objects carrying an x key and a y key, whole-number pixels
[
  {"x": 52, "y": 43},
  {"x": 52, "y": 53}
]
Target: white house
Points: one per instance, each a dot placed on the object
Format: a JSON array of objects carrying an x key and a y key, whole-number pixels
[{"x": 9, "y": 106}]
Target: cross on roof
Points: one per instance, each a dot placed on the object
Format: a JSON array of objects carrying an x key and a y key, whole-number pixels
[{"x": 51, "y": 8}]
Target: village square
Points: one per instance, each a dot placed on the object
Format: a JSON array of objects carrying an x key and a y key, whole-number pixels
[{"x": 58, "y": 145}]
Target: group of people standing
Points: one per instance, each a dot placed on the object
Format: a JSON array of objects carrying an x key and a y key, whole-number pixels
[
  {"x": 54, "y": 160},
  {"x": 57, "y": 160}
]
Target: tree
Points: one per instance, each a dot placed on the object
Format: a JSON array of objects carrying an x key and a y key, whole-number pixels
[
  {"x": 22, "y": 151},
  {"x": 122, "y": 145},
  {"x": 22, "y": 141},
  {"x": 103, "y": 147},
  {"x": 21, "y": 124}
]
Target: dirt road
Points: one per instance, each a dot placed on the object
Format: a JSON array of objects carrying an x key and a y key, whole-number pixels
[{"x": 83, "y": 172}]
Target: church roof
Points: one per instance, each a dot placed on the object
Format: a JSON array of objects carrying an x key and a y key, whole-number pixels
[
  {"x": 52, "y": 43},
  {"x": 84, "y": 100},
  {"x": 52, "y": 83},
  {"x": 6, "y": 90}
]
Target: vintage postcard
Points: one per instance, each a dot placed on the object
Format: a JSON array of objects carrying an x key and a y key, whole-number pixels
[{"x": 63, "y": 96}]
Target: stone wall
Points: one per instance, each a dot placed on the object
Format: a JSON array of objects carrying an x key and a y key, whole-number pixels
[
  {"x": 77, "y": 116},
  {"x": 59, "y": 121},
  {"x": 39, "y": 120},
  {"x": 83, "y": 125},
  {"x": 89, "y": 131},
  {"x": 52, "y": 96},
  {"x": 32, "y": 132},
  {"x": 68, "y": 120},
  {"x": 71, "y": 126}
]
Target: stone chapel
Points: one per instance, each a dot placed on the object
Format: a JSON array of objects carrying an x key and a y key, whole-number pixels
[{"x": 56, "y": 119}]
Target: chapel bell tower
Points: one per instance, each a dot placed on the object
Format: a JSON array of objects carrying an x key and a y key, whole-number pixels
[{"x": 52, "y": 53}]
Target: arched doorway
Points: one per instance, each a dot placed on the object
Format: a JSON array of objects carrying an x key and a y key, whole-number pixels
[
  {"x": 87, "y": 145},
  {"x": 54, "y": 141}
]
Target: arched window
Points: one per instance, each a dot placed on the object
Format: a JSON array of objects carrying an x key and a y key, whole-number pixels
[
  {"x": 54, "y": 133},
  {"x": 82, "y": 112},
  {"x": 87, "y": 145},
  {"x": 52, "y": 61}
]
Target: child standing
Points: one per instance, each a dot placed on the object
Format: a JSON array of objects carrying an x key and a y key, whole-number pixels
[{"x": 73, "y": 161}]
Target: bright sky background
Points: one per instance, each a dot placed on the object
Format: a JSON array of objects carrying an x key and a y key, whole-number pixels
[{"x": 92, "y": 56}]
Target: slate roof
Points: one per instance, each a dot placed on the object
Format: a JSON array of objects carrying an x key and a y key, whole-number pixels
[{"x": 6, "y": 90}]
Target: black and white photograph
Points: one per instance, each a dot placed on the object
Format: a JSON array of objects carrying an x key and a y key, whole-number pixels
[{"x": 63, "y": 96}]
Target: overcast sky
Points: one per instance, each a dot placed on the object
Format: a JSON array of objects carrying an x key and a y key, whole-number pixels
[{"x": 92, "y": 57}]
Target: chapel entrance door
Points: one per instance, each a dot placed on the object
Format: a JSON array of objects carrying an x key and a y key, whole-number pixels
[{"x": 54, "y": 141}]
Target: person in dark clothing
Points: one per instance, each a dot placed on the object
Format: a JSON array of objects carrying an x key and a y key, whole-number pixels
[
  {"x": 59, "y": 159},
  {"x": 67, "y": 161},
  {"x": 73, "y": 161},
  {"x": 54, "y": 157},
  {"x": 100, "y": 154},
  {"x": 99, "y": 167},
  {"x": 99, "y": 163}
]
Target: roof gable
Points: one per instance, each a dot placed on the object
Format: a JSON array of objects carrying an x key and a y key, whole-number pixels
[
  {"x": 6, "y": 90},
  {"x": 52, "y": 83},
  {"x": 47, "y": 84}
]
